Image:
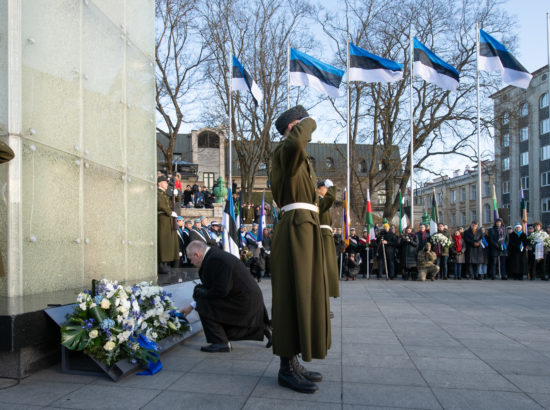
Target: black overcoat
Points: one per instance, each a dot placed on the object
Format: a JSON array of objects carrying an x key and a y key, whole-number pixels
[
  {"x": 474, "y": 254},
  {"x": 408, "y": 249},
  {"x": 517, "y": 258}
]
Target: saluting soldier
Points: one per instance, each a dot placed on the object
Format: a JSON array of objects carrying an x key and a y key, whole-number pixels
[
  {"x": 6, "y": 154},
  {"x": 168, "y": 247},
  {"x": 301, "y": 313},
  {"x": 327, "y": 196}
]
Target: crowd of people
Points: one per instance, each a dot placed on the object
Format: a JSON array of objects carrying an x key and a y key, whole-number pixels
[{"x": 473, "y": 253}]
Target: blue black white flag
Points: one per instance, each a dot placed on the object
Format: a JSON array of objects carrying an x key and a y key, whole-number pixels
[
  {"x": 433, "y": 69},
  {"x": 493, "y": 56},
  {"x": 310, "y": 72},
  {"x": 230, "y": 231},
  {"x": 364, "y": 66},
  {"x": 241, "y": 80},
  {"x": 261, "y": 220}
]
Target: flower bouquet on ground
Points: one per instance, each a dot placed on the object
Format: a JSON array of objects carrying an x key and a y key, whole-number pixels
[
  {"x": 539, "y": 237},
  {"x": 157, "y": 318},
  {"x": 442, "y": 240},
  {"x": 104, "y": 325}
]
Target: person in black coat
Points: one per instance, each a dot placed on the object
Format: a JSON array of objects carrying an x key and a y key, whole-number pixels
[
  {"x": 229, "y": 302},
  {"x": 423, "y": 237},
  {"x": 387, "y": 243},
  {"x": 474, "y": 250},
  {"x": 408, "y": 250},
  {"x": 517, "y": 253},
  {"x": 498, "y": 246}
]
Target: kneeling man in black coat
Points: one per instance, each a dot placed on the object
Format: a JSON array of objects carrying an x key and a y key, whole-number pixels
[{"x": 229, "y": 302}]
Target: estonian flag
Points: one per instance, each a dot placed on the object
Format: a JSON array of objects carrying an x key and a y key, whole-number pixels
[
  {"x": 493, "y": 56},
  {"x": 370, "y": 68},
  {"x": 432, "y": 69},
  {"x": 241, "y": 80},
  {"x": 230, "y": 232},
  {"x": 310, "y": 72}
]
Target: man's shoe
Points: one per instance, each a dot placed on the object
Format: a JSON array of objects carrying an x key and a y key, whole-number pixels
[
  {"x": 289, "y": 377},
  {"x": 311, "y": 376},
  {"x": 217, "y": 348}
]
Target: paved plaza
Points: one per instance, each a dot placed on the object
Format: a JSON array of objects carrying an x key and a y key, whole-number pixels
[{"x": 433, "y": 345}]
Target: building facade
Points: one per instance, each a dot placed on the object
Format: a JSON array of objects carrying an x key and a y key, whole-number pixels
[
  {"x": 456, "y": 197},
  {"x": 522, "y": 147}
]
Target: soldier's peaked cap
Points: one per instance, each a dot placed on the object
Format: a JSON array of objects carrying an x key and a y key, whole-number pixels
[{"x": 295, "y": 113}]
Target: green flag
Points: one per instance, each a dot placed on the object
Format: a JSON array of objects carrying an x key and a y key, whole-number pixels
[{"x": 433, "y": 217}]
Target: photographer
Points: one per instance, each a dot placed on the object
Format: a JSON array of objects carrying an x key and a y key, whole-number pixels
[{"x": 425, "y": 262}]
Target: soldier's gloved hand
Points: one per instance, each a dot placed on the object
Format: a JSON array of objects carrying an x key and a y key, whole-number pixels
[
  {"x": 174, "y": 215},
  {"x": 199, "y": 292},
  {"x": 260, "y": 245},
  {"x": 218, "y": 239},
  {"x": 328, "y": 183},
  {"x": 175, "y": 191},
  {"x": 181, "y": 254}
]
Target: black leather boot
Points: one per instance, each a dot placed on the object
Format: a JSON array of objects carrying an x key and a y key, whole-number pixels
[
  {"x": 289, "y": 377},
  {"x": 311, "y": 376}
]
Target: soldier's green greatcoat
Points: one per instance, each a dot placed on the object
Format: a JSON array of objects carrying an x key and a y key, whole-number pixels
[
  {"x": 168, "y": 247},
  {"x": 331, "y": 262},
  {"x": 6, "y": 154},
  {"x": 300, "y": 302}
]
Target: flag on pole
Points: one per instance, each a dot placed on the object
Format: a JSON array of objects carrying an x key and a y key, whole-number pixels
[
  {"x": 493, "y": 56},
  {"x": 310, "y": 72},
  {"x": 261, "y": 221},
  {"x": 433, "y": 69},
  {"x": 230, "y": 232},
  {"x": 434, "y": 220},
  {"x": 523, "y": 208},
  {"x": 371, "y": 68},
  {"x": 241, "y": 80},
  {"x": 402, "y": 216},
  {"x": 275, "y": 218},
  {"x": 369, "y": 221},
  {"x": 346, "y": 227},
  {"x": 495, "y": 206}
]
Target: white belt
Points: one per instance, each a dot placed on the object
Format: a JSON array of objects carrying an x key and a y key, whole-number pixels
[
  {"x": 326, "y": 227},
  {"x": 300, "y": 205}
]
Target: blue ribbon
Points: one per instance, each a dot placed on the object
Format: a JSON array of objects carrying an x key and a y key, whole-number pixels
[{"x": 152, "y": 367}]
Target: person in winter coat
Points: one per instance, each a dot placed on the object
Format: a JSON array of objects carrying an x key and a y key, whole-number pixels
[
  {"x": 408, "y": 249},
  {"x": 458, "y": 254},
  {"x": 498, "y": 249},
  {"x": 423, "y": 236},
  {"x": 474, "y": 250},
  {"x": 442, "y": 252},
  {"x": 387, "y": 243},
  {"x": 517, "y": 253}
]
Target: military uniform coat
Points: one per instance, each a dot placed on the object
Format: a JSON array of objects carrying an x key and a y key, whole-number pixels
[
  {"x": 325, "y": 204},
  {"x": 301, "y": 312},
  {"x": 168, "y": 247}
]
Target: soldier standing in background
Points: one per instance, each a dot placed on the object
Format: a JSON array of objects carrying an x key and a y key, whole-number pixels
[
  {"x": 168, "y": 247},
  {"x": 327, "y": 195}
]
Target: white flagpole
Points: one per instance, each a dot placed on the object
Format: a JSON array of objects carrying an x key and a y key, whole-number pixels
[
  {"x": 288, "y": 73},
  {"x": 230, "y": 137},
  {"x": 479, "y": 199},
  {"x": 412, "y": 124},
  {"x": 348, "y": 139}
]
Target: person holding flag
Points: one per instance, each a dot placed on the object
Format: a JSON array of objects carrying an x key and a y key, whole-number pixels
[
  {"x": 327, "y": 195},
  {"x": 498, "y": 249},
  {"x": 387, "y": 243}
]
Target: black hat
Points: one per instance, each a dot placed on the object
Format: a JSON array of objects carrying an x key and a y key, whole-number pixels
[
  {"x": 161, "y": 178},
  {"x": 295, "y": 113},
  {"x": 320, "y": 184}
]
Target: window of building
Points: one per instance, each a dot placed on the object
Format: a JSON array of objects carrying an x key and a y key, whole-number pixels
[
  {"x": 473, "y": 216},
  {"x": 545, "y": 153},
  {"x": 506, "y": 140},
  {"x": 544, "y": 126},
  {"x": 440, "y": 198},
  {"x": 313, "y": 162},
  {"x": 543, "y": 102},
  {"x": 545, "y": 205},
  {"x": 487, "y": 213},
  {"x": 524, "y": 134},
  {"x": 472, "y": 192},
  {"x": 208, "y": 179},
  {"x": 505, "y": 164},
  {"x": 525, "y": 182},
  {"x": 363, "y": 166},
  {"x": 524, "y": 109},
  {"x": 381, "y": 197},
  {"x": 506, "y": 205},
  {"x": 545, "y": 178},
  {"x": 453, "y": 220},
  {"x": 208, "y": 139},
  {"x": 506, "y": 187},
  {"x": 453, "y": 196},
  {"x": 329, "y": 162},
  {"x": 486, "y": 189},
  {"x": 462, "y": 194},
  {"x": 462, "y": 218},
  {"x": 524, "y": 159},
  {"x": 506, "y": 119}
]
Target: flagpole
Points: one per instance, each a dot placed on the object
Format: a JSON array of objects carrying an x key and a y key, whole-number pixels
[
  {"x": 480, "y": 199},
  {"x": 412, "y": 124},
  {"x": 548, "y": 43},
  {"x": 348, "y": 136},
  {"x": 288, "y": 74},
  {"x": 230, "y": 181}
]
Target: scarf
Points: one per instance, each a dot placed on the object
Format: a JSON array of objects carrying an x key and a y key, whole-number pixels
[{"x": 458, "y": 242}]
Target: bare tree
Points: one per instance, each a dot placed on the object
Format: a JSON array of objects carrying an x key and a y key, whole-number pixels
[
  {"x": 444, "y": 122},
  {"x": 179, "y": 53},
  {"x": 257, "y": 33}
]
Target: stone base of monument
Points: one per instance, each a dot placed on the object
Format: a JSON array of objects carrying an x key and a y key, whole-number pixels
[{"x": 30, "y": 340}]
